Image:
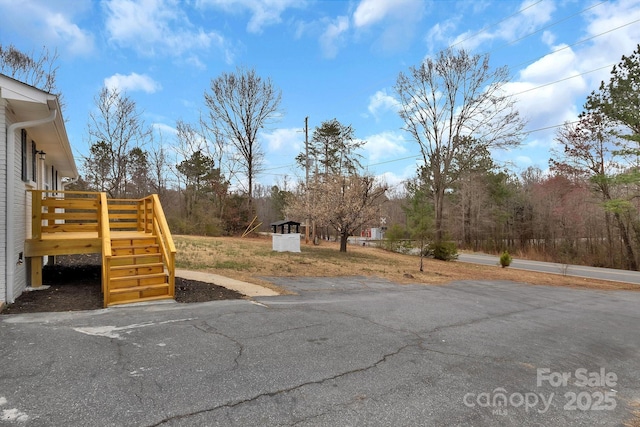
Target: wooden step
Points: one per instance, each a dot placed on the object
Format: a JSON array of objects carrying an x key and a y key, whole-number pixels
[
  {"x": 135, "y": 250},
  {"x": 136, "y": 245},
  {"x": 132, "y": 266},
  {"x": 134, "y": 270},
  {"x": 134, "y": 241},
  {"x": 138, "y": 288},
  {"x": 139, "y": 277},
  {"x": 143, "y": 299},
  {"x": 134, "y": 257},
  {"x": 128, "y": 244}
]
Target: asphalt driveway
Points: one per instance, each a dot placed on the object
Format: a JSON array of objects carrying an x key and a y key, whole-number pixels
[{"x": 344, "y": 351}]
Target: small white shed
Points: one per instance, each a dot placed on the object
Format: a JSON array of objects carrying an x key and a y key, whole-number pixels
[{"x": 286, "y": 236}]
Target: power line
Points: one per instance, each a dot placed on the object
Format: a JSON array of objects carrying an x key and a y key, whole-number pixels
[
  {"x": 419, "y": 156},
  {"x": 550, "y": 127},
  {"x": 553, "y": 24},
  {"x": 579, "y": 42},
  {"x": 562, "y": 80},
  {"x": 278, "y": 167}
]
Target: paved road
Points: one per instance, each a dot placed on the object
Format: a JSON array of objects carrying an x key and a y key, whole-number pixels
[
  {"x": 556, "y": 268},
  {"x": 346, "y": 351}
]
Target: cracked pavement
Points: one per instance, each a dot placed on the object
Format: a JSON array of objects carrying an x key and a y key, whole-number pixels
[{"x": 342, "y": 351}]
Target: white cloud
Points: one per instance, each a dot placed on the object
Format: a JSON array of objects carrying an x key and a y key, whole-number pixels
[
  {"x": 381, "y": 102},
  {"x": 396, "y": 180},
  {"x": 392, "y": 180},
  {"x": 289, "y": 139},
  {"x": 49, "y": 23},
  {"x": 196, "y": 63},
  {"x": 552, "y": 90},
  {"x": 333, "y": 36},
  {"x": 77, "y": 41},
  {"x": 371, "y": 11},
  {"x": 156, "y": 27},
  {"x": 543, "y": 99},
  {"x": 554, "y": 66},
  {"x": 132, "y": 82},
  {"x": 391, "y": 24},
  {"x": 384, "y": 146},
  {"x": 548, "y": 38},
  {"x": 263, "y": 12},
  {"x": 438, "y": 33},
  {"x": 397, "y": 21},
  {"x": 613, "y": 37},
  {"x": 165, "y": 129},
  {"x": 562, "y": 101},
  {"x": 534, "y": 14}
]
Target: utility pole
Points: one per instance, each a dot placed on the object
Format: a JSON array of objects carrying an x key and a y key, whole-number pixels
[{"x": 306, "y": 151}]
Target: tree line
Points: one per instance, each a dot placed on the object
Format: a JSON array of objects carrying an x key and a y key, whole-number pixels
[{"x": 584, "y": 210}]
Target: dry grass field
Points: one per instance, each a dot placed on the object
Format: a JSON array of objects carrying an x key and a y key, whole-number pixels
[{"x": 251, "y": 259}]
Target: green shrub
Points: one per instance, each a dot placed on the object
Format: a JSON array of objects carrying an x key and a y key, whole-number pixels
[
  {"x": 505, "y": 259},
  {"x": 444, "y": 251},
  {"x": 393, "y": 237}
]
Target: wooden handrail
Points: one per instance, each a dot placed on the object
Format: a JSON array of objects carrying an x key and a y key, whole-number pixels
[
  {"x": 104, "y": 232},
  {"x": 93, "y": 193},
  {"x": 36, "y": 214},
  {"x": 161, "y": 229},
  {"x": 158, "y": 214}
]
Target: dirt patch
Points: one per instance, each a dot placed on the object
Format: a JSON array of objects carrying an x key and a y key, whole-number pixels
[{"x": 74, "y": 284}]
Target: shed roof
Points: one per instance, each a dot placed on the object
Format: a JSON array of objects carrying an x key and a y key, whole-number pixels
[{"x": 284, "y": 222}]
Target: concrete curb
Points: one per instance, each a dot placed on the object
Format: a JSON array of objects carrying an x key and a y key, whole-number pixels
[{"x": 248, "y": 289}]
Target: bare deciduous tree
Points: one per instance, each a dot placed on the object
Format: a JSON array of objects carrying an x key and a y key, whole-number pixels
[
  {"x": 451, "y": 104},
  {"x": 117, "y": 133},
  {"x": 38, "y": 71},
  {"x": 240, "y": 104}
]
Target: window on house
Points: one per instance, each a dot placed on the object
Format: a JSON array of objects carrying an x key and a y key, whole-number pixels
[
  {"x": 23, "y": 139},
  {"x": 34, "y": 156}
]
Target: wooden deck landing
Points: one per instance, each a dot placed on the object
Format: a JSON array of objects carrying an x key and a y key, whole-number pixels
[{"x": 69, "y": 243}]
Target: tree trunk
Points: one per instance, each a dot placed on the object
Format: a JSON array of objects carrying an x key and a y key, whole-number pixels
[
  {"x": 631, "y": 259},
  {"x": 439, "y": 202},
  {"x": 343, "y": 241},
  {"x": 610, "y": 242}
]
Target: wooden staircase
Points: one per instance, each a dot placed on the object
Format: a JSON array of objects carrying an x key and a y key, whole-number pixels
[
  {"x": 138, "y": 253},
  {"x": 136, "y": 271},
  {"x": 138, "y": 257}
]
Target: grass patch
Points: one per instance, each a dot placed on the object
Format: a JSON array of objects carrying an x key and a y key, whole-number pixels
[
  {"x": 252, "y": 259},
  {"x": 233, "y": 265}
]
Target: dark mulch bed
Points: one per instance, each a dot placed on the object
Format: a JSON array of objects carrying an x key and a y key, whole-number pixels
[{"x": 74, "y": 284}]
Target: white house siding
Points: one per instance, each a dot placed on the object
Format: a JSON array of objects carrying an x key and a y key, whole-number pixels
[
  {"x": 20, "y": 205},
  {"x": 3, "y": 199}
]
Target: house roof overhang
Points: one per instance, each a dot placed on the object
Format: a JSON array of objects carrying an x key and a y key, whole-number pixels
[{"x": 28, "y": 103}]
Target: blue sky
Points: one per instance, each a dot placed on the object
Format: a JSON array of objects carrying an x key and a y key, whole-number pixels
[{"x": 330, "y": 59}]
